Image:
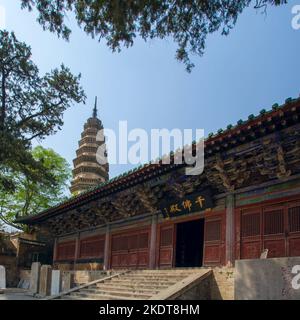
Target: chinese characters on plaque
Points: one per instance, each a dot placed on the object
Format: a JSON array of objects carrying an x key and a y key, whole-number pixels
[{"x": 189, "y": 204}]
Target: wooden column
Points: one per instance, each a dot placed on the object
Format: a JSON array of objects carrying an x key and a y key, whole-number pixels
[
  {"x": 230, "y": 206},
  {"x": 153, "y": 242},
  {"x": 77, "y": 249},
  {"x": 107, "y": 249},
  {"x": 55, "y": 249}
]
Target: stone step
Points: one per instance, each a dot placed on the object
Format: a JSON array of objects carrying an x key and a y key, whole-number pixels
[
  {"x": 104, "y": 296},
  {"x": 71, "y": 297},
  {"x": 112, "y": 292},
  {"x": 145, "y": 282},
  {"x": 78, "y": 297},
  {"x": 134, "y": 278},
  {"x": 142, "y": 281},
  {"x": 161, "y": 275},
  {"x": 157, "y": 275},
  {"x": 149, "y": 279},
  {"x": 172, "y": 269},
  {"x": 133, "y": 286},
  {"x": 124, "y": 288},
  {"x": 125, "y": 277},
  {"x": 166, "y": 271}
]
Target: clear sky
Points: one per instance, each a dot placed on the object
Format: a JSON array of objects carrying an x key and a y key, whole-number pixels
[{"x": 257, "y": 65}]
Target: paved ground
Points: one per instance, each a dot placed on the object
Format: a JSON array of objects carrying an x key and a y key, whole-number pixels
[{"x": 15, "y": 294}]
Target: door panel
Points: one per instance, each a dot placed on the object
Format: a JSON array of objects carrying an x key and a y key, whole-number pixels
[
  {"x": 276, "y": 248},
  {"x": 276, "y": 228},
  {"x": 251, "y": 229},
  {"x": 166, "y": 246},
  {"x": 294, "y": 229},
  {"x": 294, "y": 247},
  {"x": 143, "y": 259},
  {"x": 250, "y": 249},
  {"x": 130, "y": 249},
  {"x": 213, "y": 241},
  {"x": 274, "y": 238}
]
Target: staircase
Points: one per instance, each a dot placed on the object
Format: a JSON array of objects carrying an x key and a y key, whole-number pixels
[{"x": 137, "y": 285}]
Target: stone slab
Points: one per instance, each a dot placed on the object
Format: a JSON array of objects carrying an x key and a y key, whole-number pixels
[
  {"x": 45, "y": 281},
  {"x": 66, "y": 281},
  {"x": 34, "y": 277},
  {"x": 2, "y": 277},
  {"x": 268, "y": 279},
  {"x": 56, "y": 282}
]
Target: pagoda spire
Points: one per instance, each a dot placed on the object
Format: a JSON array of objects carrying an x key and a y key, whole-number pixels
[
  {"x": 88, "y": 172},
  {"x": 95, "y": 109}
]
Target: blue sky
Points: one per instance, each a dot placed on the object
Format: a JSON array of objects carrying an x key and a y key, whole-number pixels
[{"x": 255, "y": 66}]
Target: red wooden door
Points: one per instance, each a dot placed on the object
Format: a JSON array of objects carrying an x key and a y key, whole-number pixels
[
  {"x": 274, "y": 231},
  {"x": 130, "y": 250},
  {"x": 133, "y": 246},
  {"x": 276, "y": 228},
  {"x": 213, "y": 241},
  {"x": 144, "y": 246},
  {"x": 251, "y": 234},
  {"x": 166, "y": 246},
  {"x": 293, "y": 232},
  {"x": 119, "y": 251}
]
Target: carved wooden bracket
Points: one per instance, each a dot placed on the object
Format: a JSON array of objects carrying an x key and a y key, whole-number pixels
[
  {"x": 121, "y": 207},
  {"x": 147, "y": 198},
  {"x": 282, "y": 171},
  {"x": 226, "y": 181}
]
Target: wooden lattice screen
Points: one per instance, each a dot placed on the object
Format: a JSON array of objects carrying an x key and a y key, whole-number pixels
[
  {"x": 66, "y": 250},
  {"x": 294, "y": 219},
  {"x": 213, "y": 230},
  {"x": 250, "y": 224},
  {"x": 92, "y": 247}
]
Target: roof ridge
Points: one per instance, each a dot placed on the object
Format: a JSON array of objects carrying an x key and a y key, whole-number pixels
[{"x": 211, "y": 136}]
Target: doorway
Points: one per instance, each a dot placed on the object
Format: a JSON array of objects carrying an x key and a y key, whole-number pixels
[{"x": 189, "y": 243}]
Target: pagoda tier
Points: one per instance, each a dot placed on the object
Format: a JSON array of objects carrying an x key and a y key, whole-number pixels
[{"x": 87, "y": 172}]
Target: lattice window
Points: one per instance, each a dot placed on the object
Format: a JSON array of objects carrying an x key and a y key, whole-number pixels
[
  {"x": 133, "y": 241},
  {"x": 166, "y": 237},
  {"x": 274, "y": 222},
  {"x": 92, "y": 248},
  {"x": 213, "y": 230},
  {"x": 66, "y": 251},
  {"x": 294, "y": 219},
  {"x": 250, "y": 224}
]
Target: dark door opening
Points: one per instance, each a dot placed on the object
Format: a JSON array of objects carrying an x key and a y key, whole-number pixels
[{"x": 189, "y": 243}]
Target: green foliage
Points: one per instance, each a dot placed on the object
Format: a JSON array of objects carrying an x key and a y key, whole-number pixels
[
  {"x": 188, "y": 22},
  {"x": 31, "y": 107},
  {"x": 31, "y": 197}
]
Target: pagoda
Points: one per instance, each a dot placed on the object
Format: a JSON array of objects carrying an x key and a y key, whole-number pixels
[{"x": 87, "y": 172}]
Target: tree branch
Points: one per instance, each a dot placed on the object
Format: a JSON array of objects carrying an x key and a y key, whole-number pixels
[{"x": 2, "y": 218}]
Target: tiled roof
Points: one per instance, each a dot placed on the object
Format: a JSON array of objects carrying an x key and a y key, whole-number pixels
[{"x": 128, "y": 178}]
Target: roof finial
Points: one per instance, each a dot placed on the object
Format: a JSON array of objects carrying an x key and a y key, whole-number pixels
[{"x": 95, "y": 109}]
